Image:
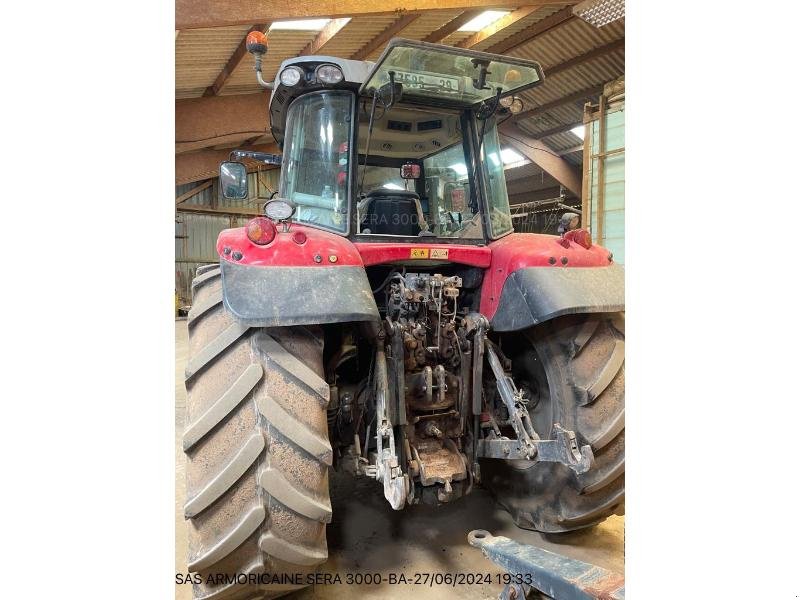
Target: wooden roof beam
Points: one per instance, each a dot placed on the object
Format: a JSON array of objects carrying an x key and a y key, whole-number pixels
[
  {"x": 498, "y": 26},
  {"x": 204, "y": 164},
  {"x": 585, "y": 57},
  {"x": 451, "y": 27},
  {"x": 207, "y": 122},
  {"x": 234, "y": 61},
  {"x": 324, "y": 36},
  {"x": 383, "y": 37},
  {"x": 575, "y": 97},
  {"x": 543, "y": 155},
  {"x": 557, "y": 130},
  {"x": 195, "y": 14},
  {"x": 533, "y": 31}
]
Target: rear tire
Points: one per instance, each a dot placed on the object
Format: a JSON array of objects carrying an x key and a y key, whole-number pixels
[
  {"x": 257, "y": 449},
  {"x": 573, "y": 370}
]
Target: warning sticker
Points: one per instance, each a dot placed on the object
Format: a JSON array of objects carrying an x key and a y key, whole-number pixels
[
  {"x": 439, "y": 252},
  {"x": 419, "y": 253}
]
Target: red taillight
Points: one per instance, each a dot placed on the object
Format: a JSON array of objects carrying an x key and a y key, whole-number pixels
[
  {"x": 299, "y": 237},
  {"x": 580, "y": 236},
  {"x": 261, "y": 231}
]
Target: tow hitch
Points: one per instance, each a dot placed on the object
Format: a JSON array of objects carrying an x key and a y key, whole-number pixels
[{"x": 528, "y": 446}]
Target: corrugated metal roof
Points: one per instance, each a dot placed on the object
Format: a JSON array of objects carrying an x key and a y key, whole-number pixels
[
  {"x": 507, "y": 32},
  {"x": 200, "y": 55}
]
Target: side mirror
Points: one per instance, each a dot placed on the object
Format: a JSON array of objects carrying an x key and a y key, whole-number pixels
[
  {"x": 233, "y": 180},
  {"x": 410, "y": 171}
]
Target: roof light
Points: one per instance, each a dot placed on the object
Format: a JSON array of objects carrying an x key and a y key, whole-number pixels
[
  {"x": 484, "y": 19},
  {"x": 330, "y": 74},
  {"x": 301, "y": 25},
  {"x": 580, "y": 131},
  {"x": 600, "y": 12},
  {"x": 291, "y": 76}
]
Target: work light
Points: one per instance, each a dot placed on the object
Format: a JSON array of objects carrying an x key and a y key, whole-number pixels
[
  {"x": 291, "y": 76},
  {"x": 329, "y": 74},
  {"x": 279, "y": 210}
]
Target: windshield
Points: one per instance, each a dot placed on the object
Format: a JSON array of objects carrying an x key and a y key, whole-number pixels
[
  {"x": 315, "y": 170},
  {"x": 494, "y": 174},
  {"x": 443, "y": 75},
  {"x": 440, "y": 202}
]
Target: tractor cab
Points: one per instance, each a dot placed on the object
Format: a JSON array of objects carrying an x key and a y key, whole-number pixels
[{"x": 397, "y": 150}]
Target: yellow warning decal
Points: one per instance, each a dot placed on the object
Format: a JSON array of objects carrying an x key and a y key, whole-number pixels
[
  {"x": 419, "y": 253},
  {"x": 439, "y": 252}
]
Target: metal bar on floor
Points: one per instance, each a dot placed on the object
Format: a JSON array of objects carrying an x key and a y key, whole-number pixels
[{"x": 555, "y": 575}]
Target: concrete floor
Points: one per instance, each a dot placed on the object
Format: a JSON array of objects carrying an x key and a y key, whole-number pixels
[{"x": 367, "y": 536}]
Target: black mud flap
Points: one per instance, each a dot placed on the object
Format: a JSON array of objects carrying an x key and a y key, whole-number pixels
[
  {"x": 282, "y": 296},
  {"x": 538, "y": 294}
]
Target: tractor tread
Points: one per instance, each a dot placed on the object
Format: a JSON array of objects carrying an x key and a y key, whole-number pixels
[
  {"x": 290, "y": 552},
  {"x": 225, "y": 479},
  {"x": 232, "y": 397},
  {"x": 612, "y": 430},
  {"x": 214, "y": 348},
  {"x": 607, "y": 374},
  {"x": 600, "y": 511},
  {"x": 290, "y": 364},
  {"x": 243, "y": 529},
  {"x": 297, "y": 432},
  {"x": 276, "y": 485},
  {"x": 583, "y": 337},
  {"x": 198, "y": 310},
  {"x": 205, "y": 276},
  {"x": 604, "y": 478}
]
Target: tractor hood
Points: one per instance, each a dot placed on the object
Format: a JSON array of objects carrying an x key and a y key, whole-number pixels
[{"x": 439, "y": 75}]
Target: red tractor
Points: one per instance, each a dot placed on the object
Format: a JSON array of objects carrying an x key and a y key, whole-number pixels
[{"x": 384, "y": 319}]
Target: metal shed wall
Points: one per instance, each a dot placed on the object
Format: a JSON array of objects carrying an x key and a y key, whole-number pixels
[
  {"x": 196, "y": 234},
  {"x": 612, "y": 214}
]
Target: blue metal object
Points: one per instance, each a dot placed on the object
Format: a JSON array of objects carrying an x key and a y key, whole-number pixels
[{"x": 555, "y": 575}]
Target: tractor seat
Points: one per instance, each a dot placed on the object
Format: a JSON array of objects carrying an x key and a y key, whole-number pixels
[{"x": 393, "y": 212}]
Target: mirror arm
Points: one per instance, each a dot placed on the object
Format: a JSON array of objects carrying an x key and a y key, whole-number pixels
[{"x": 261, "y": 82}]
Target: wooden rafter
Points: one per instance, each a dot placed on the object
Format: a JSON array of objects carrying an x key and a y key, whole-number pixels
[
  {"x": 575, "y": 97},
  {"x": 195, "y": 14},
  {"x": 204, "y": 164},
  {"x": 557, "y": 130},
  {"x": 498, "y": 26},
  {"x": 384, "y": 36},
  {"x": 208, "y": 122},
  {"x": 571, "y": 150},
  {"x": 233, "y": 62},
  {"x": 532, "y": 32},
  {"x": 543, "y": 155},
  {"x": 451, "y": 26},
  {"x": 582, "y": 58},
  {"x": 324, "y": 36}
]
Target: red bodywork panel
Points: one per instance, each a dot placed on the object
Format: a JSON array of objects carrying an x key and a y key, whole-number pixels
[
  {"x": 520, "y": 250},
  {"x": 500, "y": 258},
  {"x": 284, "y": 251},
  {"x": 380, "y": 253}
]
